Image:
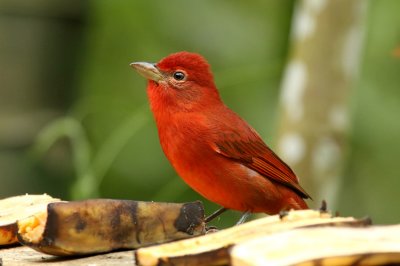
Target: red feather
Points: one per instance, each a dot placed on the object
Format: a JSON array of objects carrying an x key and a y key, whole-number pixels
[{"x": 256, "y": 155}]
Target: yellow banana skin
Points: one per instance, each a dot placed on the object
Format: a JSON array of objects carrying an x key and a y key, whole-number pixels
[{"x": 101, "y": 225}]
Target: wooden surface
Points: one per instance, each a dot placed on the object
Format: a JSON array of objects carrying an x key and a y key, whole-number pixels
[{"x": 21, "y": 256}]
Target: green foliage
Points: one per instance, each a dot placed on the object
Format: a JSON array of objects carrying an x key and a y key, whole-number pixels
[
  {"x": 118, "y": 34},
  {"x": 113, "y": 145},
  {"x": 90, "y": 169},
  {"x": 372, "y": 179}
]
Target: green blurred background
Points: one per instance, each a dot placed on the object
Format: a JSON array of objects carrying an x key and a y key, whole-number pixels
[{"x": 74, "y": 118}]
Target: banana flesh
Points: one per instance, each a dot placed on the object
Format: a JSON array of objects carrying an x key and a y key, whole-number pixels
[
  {"x": 328, "y": 246},
  {"x": 215, "y": 248},
  {"x": 16, "y": 208}
]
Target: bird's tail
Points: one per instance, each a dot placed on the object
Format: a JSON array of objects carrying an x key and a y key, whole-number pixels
[{"x": 297, "y": 203}]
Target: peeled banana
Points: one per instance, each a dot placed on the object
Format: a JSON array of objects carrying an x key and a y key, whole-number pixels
[
  {"x": 215, "y": 248},
  {"x": 328, "y": 246},
  {"x": 19, "y": 207}
]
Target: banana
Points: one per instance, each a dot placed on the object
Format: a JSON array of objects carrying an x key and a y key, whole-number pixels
[
  {"x": 101, "y": 225},
  {"x": 328, "y": 246},
  {"x": 19, "y": 207},
  {"x": 215, "y": 248}
]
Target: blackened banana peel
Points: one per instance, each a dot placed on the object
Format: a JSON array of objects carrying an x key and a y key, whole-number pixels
[{"x": 101, "y": 225}]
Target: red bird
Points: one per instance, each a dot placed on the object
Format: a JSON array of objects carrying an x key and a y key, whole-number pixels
[{"x": 214, "y": 150}]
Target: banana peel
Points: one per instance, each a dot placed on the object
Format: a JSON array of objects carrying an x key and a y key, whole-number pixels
[
  {"x": 102, "y": 225},
  {"x": 19, "y": 207}
]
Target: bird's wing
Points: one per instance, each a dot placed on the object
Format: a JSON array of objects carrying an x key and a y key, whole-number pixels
[{"x": 255, "y": 154}]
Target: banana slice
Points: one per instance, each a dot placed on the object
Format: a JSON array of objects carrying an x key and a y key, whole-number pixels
[
  {"x": 215, "y": 248},
  {"x": 19, "y": 207},
  {"x": 329, "y": 246}
]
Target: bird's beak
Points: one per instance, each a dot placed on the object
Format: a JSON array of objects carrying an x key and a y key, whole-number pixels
[{"x": 148, "y": 70}]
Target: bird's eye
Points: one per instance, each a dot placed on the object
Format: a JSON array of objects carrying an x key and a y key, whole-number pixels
[{"x": 178, "y": 75}]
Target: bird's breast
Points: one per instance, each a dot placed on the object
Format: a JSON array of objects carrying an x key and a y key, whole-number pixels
[{"x": 183, "y": 138}]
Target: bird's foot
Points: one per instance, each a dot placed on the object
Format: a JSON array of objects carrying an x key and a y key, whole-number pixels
[
  {"x": 244, "y": 217},
  {"x": 215, "y": 215}
]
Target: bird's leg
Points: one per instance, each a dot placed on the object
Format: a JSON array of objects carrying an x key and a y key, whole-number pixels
[
  {"x": 244, "y": 217},
  {"x": 215, "y": 215}
]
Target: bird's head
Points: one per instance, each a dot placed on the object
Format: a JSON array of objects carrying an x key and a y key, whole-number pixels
[{"x": 182, "y": 80}]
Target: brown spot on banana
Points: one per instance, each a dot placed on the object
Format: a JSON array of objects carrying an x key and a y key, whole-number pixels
[{"x": 190, "y": 217}]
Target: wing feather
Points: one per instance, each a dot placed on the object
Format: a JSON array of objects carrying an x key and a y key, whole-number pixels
[{"x": 256, "y": 155}]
